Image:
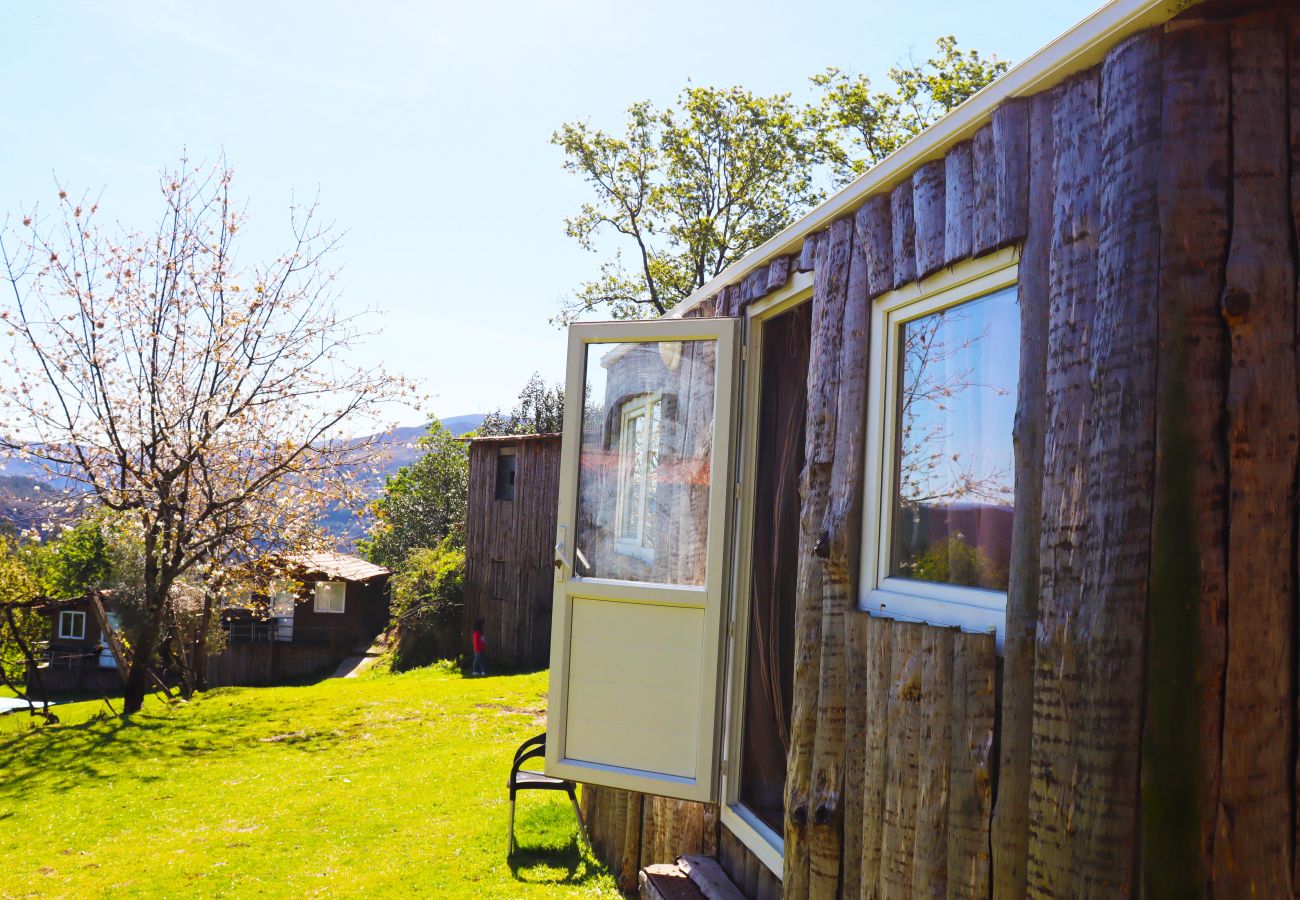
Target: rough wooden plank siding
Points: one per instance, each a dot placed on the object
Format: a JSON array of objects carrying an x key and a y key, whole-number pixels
[
  {"x": 1185, "y": 636},
  {"x": 809, "y": 805},
  {"x": 1253, "y": 844},
  {"x": 875, "y": 235},
  {"x": 971, "y": 799},
  {"x": 840, "y": 551},
  {"x": 1058, "y": 673},
  {"x": 1107, "y": 628},
  {"x": 1010, "y": 841},
  {"x": 934, "y": 765},
  {"x": 958, "y": 203},
  {"x": 903, "y": 233},
  {"x": 984, "y": 172},
  {"x": 1011, "y": 171},
  {"x": 903, "y": 753},
  {"x": 858, "y": 664},
  {"x": 926, "y": 756},
  {"x": 928, "y": 197},
  {"x": 509, "y": 578}
]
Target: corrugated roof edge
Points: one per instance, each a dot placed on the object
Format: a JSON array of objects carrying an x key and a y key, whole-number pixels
[{"x": 1082, "y": 46}]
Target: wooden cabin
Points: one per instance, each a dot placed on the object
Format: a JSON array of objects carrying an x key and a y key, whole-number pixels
[
  {"x": 78, "y": 655},
  {"x": 946, "y": 544},
  {"x": 323, "y": 599},
  {"x": 509, "y": 536}
]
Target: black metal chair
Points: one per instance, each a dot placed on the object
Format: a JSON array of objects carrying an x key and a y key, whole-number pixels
[{"x": 528, "y": 780}]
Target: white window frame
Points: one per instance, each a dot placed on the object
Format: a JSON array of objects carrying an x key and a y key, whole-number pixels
[
  {"x": 971, "y": 609},
  {"x": 341, "y": 587},
  {"x": 72, "y": 615},
  {"x": 642, "y": 406},
  {"x": 761, "y": 840}
]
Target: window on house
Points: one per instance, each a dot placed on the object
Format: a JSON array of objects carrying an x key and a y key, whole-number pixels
[
  {"x": 72, "y": 625},
  {"x": 939, "y": 547},
  {"x": 330, "y": 596},
  {"x": 506, "y": 473},
  {"x": 638, "y": 472}
]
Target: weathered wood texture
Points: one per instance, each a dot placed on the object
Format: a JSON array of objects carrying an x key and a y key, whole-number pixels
[
  {"x": 630, "y": 831},
  {"x": 1058, "y": 674},
  {"x": 903, "y": 233},
  {"x": 1011, "y": 817},
  {"x": 509, "y": 576},
  {"x": 928, "y": 200},
  {"x": 1185, "y": 637},
  {"x": 927, "y": 762},
  {"x": 959, "y": 201},
  {"x": 812, "y": 813},
  {"x": 1253, "y": 845}
]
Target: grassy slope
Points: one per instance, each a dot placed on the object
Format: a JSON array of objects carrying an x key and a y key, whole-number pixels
[{"x": 383, "y": 784}]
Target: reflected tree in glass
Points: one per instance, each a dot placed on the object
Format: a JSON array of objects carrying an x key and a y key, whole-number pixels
[{"x": 956, "y": 407}]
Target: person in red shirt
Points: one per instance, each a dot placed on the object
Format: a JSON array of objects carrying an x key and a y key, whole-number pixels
[{"x": 480, "y": 649}]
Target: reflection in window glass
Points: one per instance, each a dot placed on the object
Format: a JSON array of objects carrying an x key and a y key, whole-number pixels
[
  {"x": 643, "y": 473},
  {"x": 953, "y": 502}
]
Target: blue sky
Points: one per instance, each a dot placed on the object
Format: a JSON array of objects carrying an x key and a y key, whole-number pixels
[{"x": 424, "y": 127}]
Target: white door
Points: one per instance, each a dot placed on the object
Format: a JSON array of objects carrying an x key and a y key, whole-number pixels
[{"x": 645, "y": 489}]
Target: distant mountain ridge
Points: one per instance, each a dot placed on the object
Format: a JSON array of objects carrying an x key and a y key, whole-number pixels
[{"x": 26, "y": 489}]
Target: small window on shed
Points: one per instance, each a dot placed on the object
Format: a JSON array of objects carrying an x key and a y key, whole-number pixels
[
  {"x": 72, "y": 625},
  {"x": 331, "y": 596},
  {"x": 506, "y": 473}
]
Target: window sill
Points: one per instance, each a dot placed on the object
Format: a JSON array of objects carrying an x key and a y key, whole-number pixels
[
  {"x": 970, "y": 609},
  {"x": 757, "y": 837}
]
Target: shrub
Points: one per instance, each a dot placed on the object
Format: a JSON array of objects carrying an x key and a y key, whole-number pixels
[{"x": 428, "y": 604}]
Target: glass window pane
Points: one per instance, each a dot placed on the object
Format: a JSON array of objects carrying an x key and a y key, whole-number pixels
[
  {"x": 644, "y": 468},
  {"x": 953, "y": 502}
]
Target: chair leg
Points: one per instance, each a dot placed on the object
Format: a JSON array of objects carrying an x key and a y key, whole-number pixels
[
  {"x": 582, "y": 826},
  {"x": 511, "y": 848}
]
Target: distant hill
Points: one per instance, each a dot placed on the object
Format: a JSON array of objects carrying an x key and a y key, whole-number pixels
[{"x": 25, "y": 490}]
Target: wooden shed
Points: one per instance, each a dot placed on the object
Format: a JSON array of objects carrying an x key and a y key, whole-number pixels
[
  {"x": 947, "y": 543},
  {"x": 509, "y": 536}
]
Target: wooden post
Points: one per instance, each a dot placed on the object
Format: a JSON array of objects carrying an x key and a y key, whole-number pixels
[
  {"x": 973, "y": 675},
  {"x": 1185, "y": 632},
  {"x": 984, "y": 210},
  {"x": 903, "y": 233},
  {"x": 928, "y": 217},
  {"x": 829, "y": 292},
  {"x": 898, "y": 821},
  {"x": 875, "y": 235},
  {"x": 959, "y": 199},
  {"x": 1011, "y": 171},
  {"x": 1253, "y": 844},
  {"x": 875, "y": 756},
  {"x": 1109, "y": 628},
  {"x": 856, "y": 663},
  {"x": 1057, "y": 665},
  {"x": 1010, "y": 830},
  {"x": 843, "y": 536},
  {"x": 934, "y": 760}
]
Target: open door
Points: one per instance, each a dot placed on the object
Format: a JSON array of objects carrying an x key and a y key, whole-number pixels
[{"x": 645, "y": 486}]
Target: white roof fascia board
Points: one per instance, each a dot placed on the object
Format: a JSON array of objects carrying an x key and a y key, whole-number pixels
[{"x": 1081, "y": 47}]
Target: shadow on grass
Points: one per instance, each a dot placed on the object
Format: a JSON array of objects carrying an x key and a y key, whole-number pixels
[
  {"x": 42, "y": 758},
  {"x": 547, "y": 848}
]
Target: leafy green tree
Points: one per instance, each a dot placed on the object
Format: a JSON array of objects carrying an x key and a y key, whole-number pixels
[
  {"x": 21, "y": 627},
  {"x": 424, "y": 503},
  {"x": 77, "y": 560},
  {"x": 428, "y": 602},
  {"x": 687, "y": 190},
  {"x": 865, "y": 125},
  {"x": 540, "y": 410},
  {"x": 953, "y": 561},
  {"x": 691, "y": 189}
]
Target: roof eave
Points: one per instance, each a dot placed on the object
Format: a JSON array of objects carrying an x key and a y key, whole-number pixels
[{"x": 1081, "y": 47}]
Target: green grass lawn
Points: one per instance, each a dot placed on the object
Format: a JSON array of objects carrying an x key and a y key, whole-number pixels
[{"x": 383, "y": 784}]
